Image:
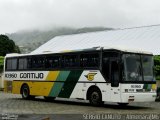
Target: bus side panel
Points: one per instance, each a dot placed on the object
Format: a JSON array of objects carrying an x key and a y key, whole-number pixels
[
  {"x": 8, "y": 86},
  {"x": 91, "y": 78},
  {"x": 36, "y": 88},
  {"x": 81, "y": 89}
]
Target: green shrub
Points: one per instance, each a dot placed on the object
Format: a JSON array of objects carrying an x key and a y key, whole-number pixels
[
  {"x": 1, "y": 63},
  {"x": 157, "y": 66}
]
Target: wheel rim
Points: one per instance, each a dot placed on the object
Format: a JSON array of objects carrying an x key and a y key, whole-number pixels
[
  {"x": 25, "y": 92},
  {"x": 95, "y": 97}
]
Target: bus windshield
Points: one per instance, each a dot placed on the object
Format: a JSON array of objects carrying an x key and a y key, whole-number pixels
[{"x": 138, "y": 67}]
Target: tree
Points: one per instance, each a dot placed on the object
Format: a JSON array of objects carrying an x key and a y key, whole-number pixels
[
  {"x": 1, "y": 63},
  {"x": 7, "y": 46},
  {"x": 157, "y": 66}
]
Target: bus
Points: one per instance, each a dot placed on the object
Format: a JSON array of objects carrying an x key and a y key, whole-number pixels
[{"x": 98, "y": 74}]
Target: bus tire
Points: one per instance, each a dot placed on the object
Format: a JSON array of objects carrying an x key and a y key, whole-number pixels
[
  {"x": 49, "y": 99},
  {"x": 25, "y": 92},
  {"x": 95, "y": 97}
]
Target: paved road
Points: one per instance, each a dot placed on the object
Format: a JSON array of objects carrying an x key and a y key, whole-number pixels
[{"x": 14, "y": 104}]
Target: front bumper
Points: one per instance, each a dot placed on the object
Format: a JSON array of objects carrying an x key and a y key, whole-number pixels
[{"x": 138, "y": 97}]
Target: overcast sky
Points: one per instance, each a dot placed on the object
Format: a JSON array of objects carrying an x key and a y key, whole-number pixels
[{"x": 16, "y": 15}]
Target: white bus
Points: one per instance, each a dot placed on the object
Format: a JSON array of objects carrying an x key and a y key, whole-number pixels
[{"x": 97, "y": 74}]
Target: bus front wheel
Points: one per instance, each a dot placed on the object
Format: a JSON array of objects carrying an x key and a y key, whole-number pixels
[
  {"x": 26, "y": 92},
  {"x": 95, "y": 97}
]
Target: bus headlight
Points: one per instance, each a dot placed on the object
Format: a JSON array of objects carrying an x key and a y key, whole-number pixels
[{"x": 131, "y": 99}]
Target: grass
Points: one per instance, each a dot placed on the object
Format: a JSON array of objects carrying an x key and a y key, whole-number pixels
[
  {"x": 1, "y": 63},
  {"x": 1, "y": 60},
  {"x": 158, "y": 77}
]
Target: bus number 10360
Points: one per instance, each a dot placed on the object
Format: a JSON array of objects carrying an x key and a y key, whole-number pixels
[{"x": 11, "y": 75}]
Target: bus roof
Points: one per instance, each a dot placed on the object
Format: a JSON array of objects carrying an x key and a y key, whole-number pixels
[{"x": 80, "y": 50}]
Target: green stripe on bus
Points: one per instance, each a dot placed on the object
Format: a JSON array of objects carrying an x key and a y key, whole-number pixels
[
  {"x": 70, "y": 83},
  {"x": 58, "y": 85},
  {"x": 145, "y": 86}
]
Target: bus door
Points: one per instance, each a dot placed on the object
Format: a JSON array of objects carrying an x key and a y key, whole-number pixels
[{"x": 115, "y": 78}]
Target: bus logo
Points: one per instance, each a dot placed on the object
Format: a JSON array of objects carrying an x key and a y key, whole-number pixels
[{"x": 90, "y": 76}]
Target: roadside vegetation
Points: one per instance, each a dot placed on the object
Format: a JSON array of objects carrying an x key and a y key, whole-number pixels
[
  {"x": 157, "y": 73},
  {"x": 1, "y": 63},
  {"x": 6, "y": 46},
  {"x": 157, "y": 66}
]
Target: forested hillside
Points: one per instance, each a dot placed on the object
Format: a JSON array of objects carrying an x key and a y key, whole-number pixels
[{"x": 32, "y": 39}]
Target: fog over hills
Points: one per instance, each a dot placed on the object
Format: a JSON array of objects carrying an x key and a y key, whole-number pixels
[{"x": 29, "y": 40}]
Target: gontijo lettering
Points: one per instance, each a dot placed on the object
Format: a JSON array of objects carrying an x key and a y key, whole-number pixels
[{"x": 32, "y": 75}]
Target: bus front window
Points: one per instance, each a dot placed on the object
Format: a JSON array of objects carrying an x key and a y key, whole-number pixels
[
  {"x": 132, "y": 67},
  {"x": 137, "y": 65}
]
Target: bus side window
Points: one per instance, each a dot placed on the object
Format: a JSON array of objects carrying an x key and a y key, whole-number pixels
[
  {"x": 8, "y": 64},
  {"x": 14, "y": 64},
  {"x": 52, "y": 62},
  {"x": 89, "y": 60},
  {"x": 11, "y": 64},
  {"x": 22, "y": 63},
  {"x": 38, "y": 62},
  {"x": 70, "y": 61},
  {"x": 29, "y": 63}
]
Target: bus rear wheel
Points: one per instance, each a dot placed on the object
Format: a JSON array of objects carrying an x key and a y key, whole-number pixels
[
  {"x": 95, "y": 97},
  {"x": 26, "y": 92}
]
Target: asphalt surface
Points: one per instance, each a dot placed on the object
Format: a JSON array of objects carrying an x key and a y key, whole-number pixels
[{"x": 12, "y": 105}]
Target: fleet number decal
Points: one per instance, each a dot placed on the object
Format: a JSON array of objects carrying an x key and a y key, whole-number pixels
[
  {"x": 11, "y": 75},
  {"x": 135, "y": 86},
  {"x": 25, "y": 75}
]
